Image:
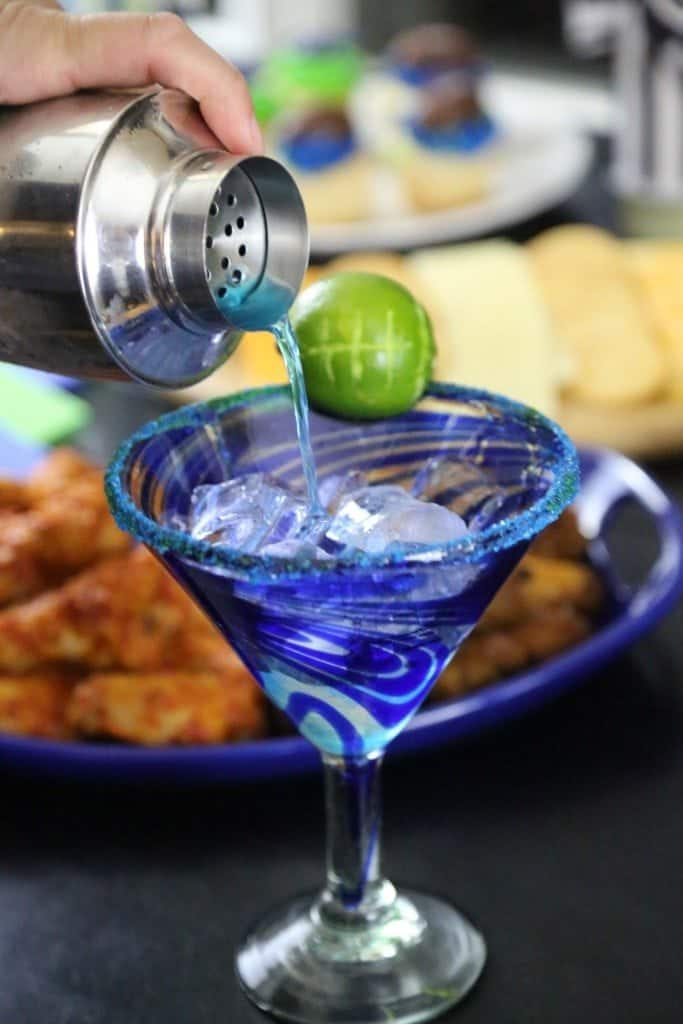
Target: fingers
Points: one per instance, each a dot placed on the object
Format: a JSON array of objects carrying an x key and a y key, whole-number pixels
[
  {"x": 130, "y": 49},
  {"x": 45, "y": 53},
  {"x": 179, "y": 58}
]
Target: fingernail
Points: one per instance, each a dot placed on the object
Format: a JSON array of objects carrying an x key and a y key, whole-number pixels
[{"x": 255, "y": 135}]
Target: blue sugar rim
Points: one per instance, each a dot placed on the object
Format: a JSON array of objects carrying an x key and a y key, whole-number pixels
[
  {"x": 463, "y": 137},
  {"x": 315, "y": 152},
  {"x": 471, "y": 548}
]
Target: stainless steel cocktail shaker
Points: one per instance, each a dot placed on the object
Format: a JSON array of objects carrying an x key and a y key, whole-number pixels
[{"x": 132, "y": 243}]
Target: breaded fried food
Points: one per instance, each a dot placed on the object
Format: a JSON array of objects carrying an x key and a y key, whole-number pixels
[
  {"x": 67, "y": 531},
  {"x": 21, "y": 573},
  {"x": 540, "y": 583},
  {"x": 198, "y": 644},
  {"x": 35, "y": 705},
  {"x": 172, "y": 707},
  {"x": 122, "y": 613},
  {"x": 13, "y": 495},
  {"x": 61, "y": 467},
  {"x": 562, "y": 539},
  {"x": 487, "y": 656},
  {"x": 74, "y": 528}
]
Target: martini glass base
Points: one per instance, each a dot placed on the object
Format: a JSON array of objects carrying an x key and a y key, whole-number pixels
[{"x": 421, "y": 958}]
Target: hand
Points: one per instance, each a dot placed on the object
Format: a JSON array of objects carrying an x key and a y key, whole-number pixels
[{"x": 45, "y": 52}]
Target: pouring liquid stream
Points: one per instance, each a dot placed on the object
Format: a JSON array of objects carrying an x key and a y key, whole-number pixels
[{"x": 289, "y": 350}]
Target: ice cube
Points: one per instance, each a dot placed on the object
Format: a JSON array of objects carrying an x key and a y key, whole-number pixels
[
  {"x": 293, "y": 549},
  {"x": 464, "y": 487},
  {"x": 333, "y": 490},
  {"x": 246, "y": 513},
  {"x": 377, "y": 517},
  {"x": 212, "y": 504}
]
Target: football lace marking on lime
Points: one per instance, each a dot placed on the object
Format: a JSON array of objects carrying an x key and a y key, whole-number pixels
[
  {"x": 390, "y": 348},
  {"x": 327, "y": 349},
  {"x": 357, "y": 346},
  {"x": 426, "y": 352}
]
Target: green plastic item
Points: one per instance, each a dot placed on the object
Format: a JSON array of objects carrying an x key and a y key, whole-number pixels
[
  {"x": 324, "y": 75},
  {"x": 298, "y": 76},
  {"x": 265, "y": 100},
  {"x": 37, "y": 411}
]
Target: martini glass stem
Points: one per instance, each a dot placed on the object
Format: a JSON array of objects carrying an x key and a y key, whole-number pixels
[{"x": 355, "y": 893}]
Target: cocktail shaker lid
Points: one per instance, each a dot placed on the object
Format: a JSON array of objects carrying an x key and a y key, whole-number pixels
[{"x": 180, "y": 245}]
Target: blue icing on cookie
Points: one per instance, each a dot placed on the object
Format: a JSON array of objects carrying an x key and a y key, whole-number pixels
[
  {"x": 424, "y": 75},
  {"x": 315, "y": 152},
  {"x": 464, "y": 137}
]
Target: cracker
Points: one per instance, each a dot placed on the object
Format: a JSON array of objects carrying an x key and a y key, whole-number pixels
[
  {"x": 599, "y": 316},
  {"x": 658, "y": 269}
]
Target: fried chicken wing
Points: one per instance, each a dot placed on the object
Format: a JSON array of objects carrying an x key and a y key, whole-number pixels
[
  {"x": 151, "y": 668},
  {"x": 21, "y": 573},
  {"x": 13, "y": 495},
  {"x": 539, "y": 583},
  {"x": 172, "y": 707},
  {"x": 58, "y": 470},
  {"x": 122, "y": 613},
  {"x": 562, "y": 539},
  {"x": 35, "y": 705},
  {"x": 74, "y": 528},
  {"x": 488, "y": 656},
  {"x": 198, "y": 643},
  {"x": 68, "y": 531}
]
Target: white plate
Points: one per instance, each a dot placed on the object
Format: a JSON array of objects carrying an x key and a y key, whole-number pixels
[{"x": 541, "y": 165}]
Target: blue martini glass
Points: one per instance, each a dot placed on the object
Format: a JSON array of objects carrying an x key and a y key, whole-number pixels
[{"x": 348, "y": 648}]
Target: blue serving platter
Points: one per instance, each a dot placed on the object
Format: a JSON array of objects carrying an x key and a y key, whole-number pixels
[{"x": 608, "y": 481}]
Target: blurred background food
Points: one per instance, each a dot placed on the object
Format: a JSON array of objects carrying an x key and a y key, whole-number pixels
[
  {"x": 97, "y": 641},
  {"x": 445, "y": 146},
  {"x": 578, "y": 323}
]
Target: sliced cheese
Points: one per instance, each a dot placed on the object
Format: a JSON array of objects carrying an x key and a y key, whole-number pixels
[{"x": 493, "y": 330}]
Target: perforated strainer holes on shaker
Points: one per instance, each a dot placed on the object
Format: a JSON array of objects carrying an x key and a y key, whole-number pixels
[{"x": 236, "y": 253}]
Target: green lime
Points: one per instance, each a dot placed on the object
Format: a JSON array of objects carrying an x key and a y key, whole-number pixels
[{"x": 366, "y": 344}]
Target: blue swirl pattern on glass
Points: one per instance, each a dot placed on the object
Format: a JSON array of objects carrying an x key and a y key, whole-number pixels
[{"x": 349, "y": 647}]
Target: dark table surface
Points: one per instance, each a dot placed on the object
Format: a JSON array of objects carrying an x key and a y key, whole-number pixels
[{"x": 561, "y": 835}]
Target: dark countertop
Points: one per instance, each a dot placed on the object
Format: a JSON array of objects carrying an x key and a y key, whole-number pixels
[{"x": 561, "y": 835}]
